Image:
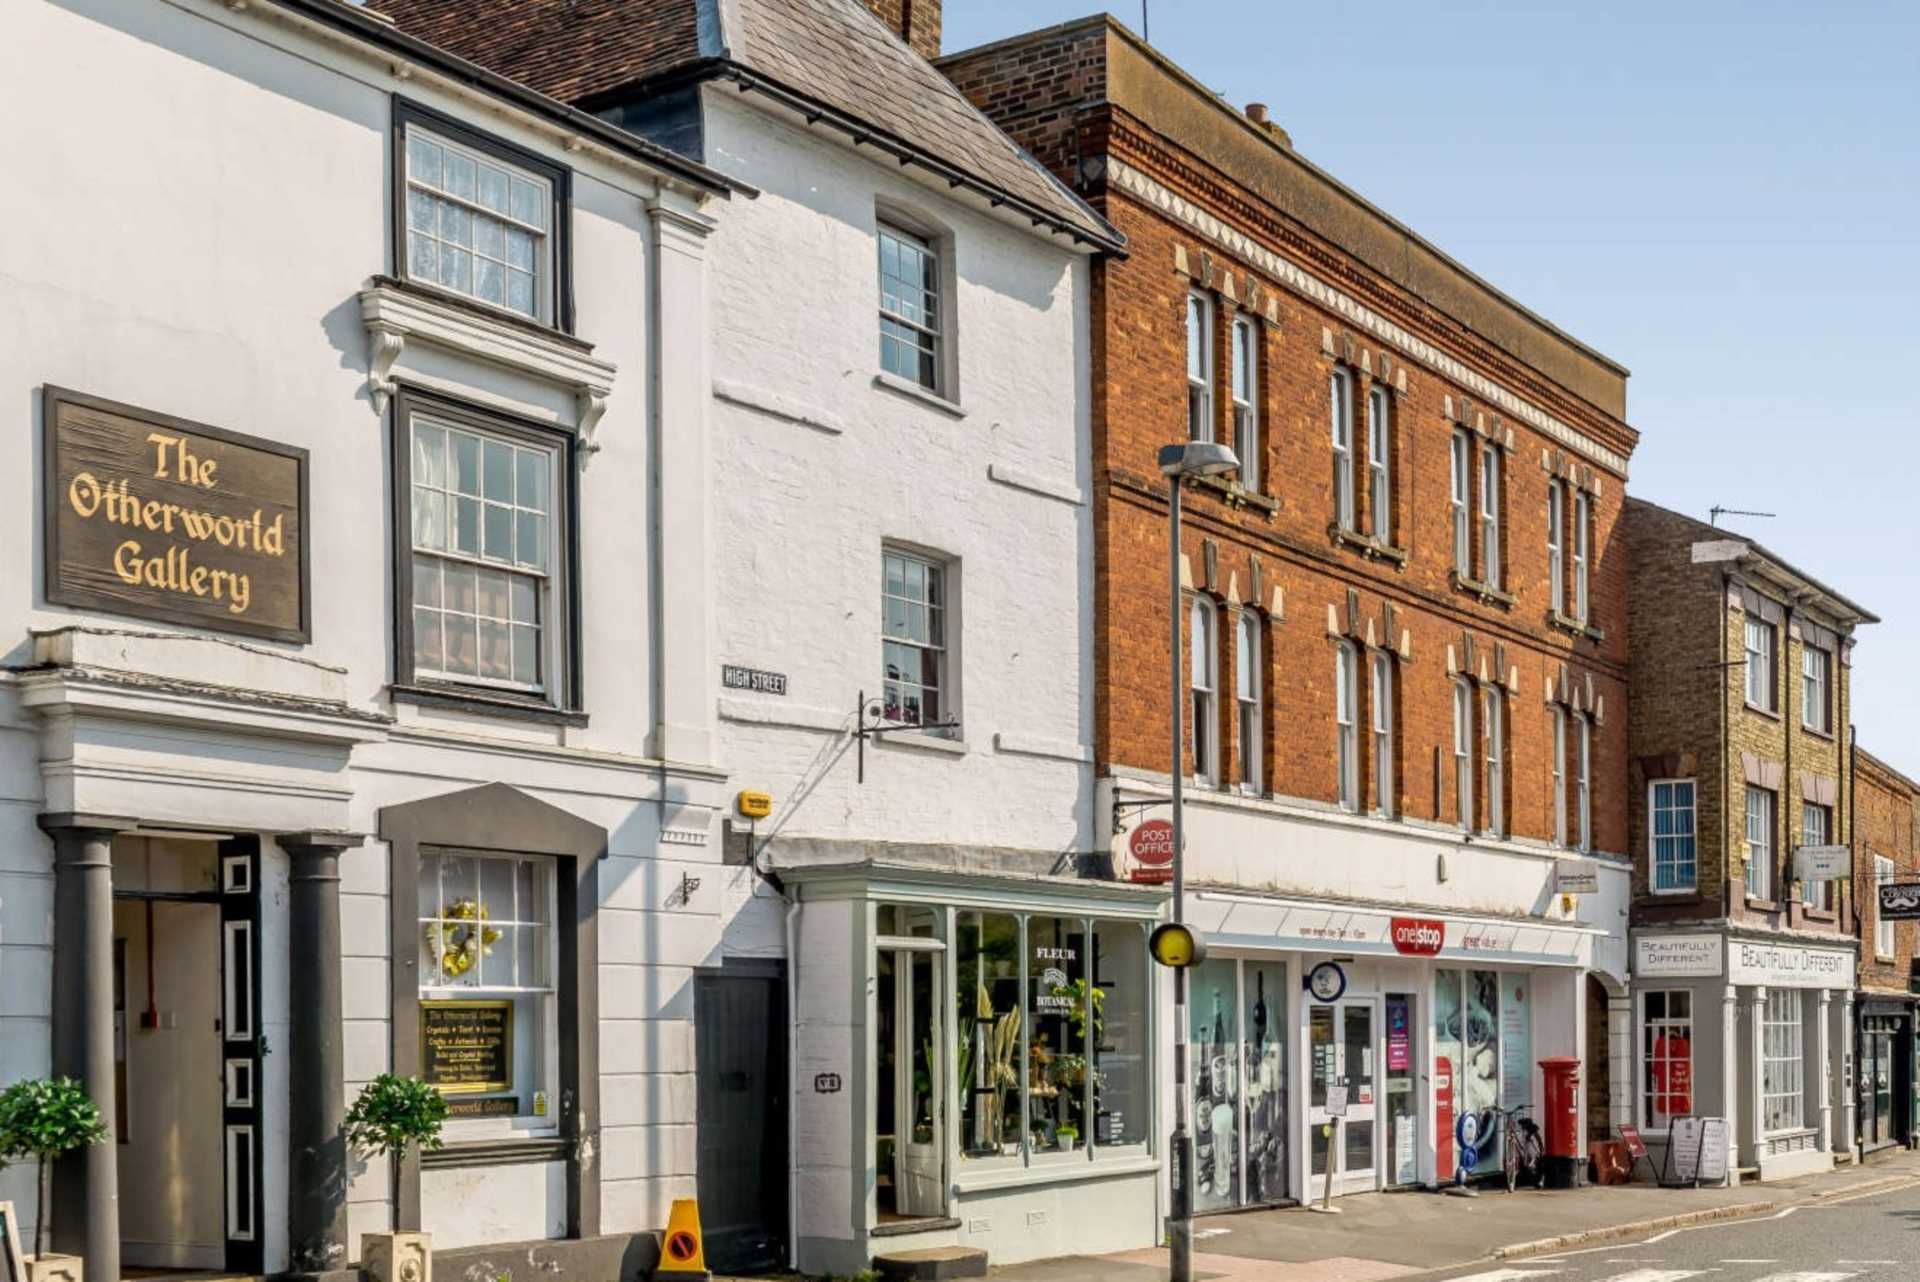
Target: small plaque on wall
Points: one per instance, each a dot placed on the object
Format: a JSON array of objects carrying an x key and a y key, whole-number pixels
[
  {"x": 466, "y": 1047},
  {"x": 154, "y": 517}
]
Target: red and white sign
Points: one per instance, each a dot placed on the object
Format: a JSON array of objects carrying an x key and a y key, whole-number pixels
[
  {"x": 1417, "y": 936},
  {"x": 1151, "y": 845},
  {"x": 1673, "y": 1075}
]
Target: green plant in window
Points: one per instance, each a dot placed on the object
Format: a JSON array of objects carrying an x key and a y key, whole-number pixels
[
  {"x": 44, "y": 1119},
  {"x": 1077, "y": 991}
]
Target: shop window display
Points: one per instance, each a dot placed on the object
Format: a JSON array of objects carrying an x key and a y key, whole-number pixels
[
  {"x": 1472, "y": 1025},
  {"x": 989, "y": 1024},
  {"x": 1058, "y": 1003},
  {"x": 1213, "y": 1052}
]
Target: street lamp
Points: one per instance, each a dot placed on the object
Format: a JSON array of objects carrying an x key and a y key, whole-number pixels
[{"x": 1177, "y": 463}]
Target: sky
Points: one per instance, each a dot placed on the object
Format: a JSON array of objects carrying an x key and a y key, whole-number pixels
[{"x": 1723, "y": 197}]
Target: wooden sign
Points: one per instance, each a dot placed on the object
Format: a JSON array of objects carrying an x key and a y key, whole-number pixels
[
  {"x": 466, "y": 1047},
  {"x": 155, "y": 517}
]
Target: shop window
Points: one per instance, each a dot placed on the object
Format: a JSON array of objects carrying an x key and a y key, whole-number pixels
[
  {"x": 1120, "y": 1055},
  {"x": 1484, "y": 1032},
  {"x": 990, "y": 1030},
  {"x": 1782, "y": 1061},
  {"x": 1213, "y": 1052},
  {"x": 1666, "y": 1057},
  {"x": 489, "y": 1037},
  {"x": 485, "y": 572},
  {"x": 1671, "y": 806},
  {"x": 1059, "y": 999}
]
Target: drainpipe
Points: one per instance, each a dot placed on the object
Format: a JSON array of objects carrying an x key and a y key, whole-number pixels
[
  {"x": 793, "y": 1060},
  {"x": 1726, "y": 765}
]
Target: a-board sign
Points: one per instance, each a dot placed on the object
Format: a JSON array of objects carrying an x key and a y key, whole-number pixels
[
  {"x": 1696, "y": 1152},
  {"x": 155, "y": 517},
  {"x": 466, "y": 1047},
  {"x": 1630, "y": 1136},
  {"x": 1714, "y": 1141}
]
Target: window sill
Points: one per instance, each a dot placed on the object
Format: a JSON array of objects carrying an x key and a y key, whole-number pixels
[
  {"x": 1768, "y": 713},
  {"x": 1676, "y": 892},
  {"x": 1566, "y": 623},
  {"x": 396, "y": 314},
  {"x": 1485, "y": 593},
  {"x": 1073, "y": 1166},
  {"x": 1368, "y": 546},
  {"x": 906, "y": 1228},
  {"x": 924, "y": 741},
  {"x": 1235, "y": 494},
  {"x": 1816, "y": 732},
  {"x": 913, "y": 391},
  {"x": 514, "y": 1152},
  {"x": 1763, "y": 905},
  {"x": 1820, "y": 914},
  {"x": 491, "y": 705}
]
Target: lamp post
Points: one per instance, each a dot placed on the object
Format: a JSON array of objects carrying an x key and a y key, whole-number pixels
[{"x": 1177, "y": 463}]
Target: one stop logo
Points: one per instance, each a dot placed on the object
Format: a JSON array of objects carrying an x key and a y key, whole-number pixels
[{"x": 1417, "y": 937}]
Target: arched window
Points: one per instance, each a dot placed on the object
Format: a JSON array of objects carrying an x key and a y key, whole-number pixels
[
  {"x": 1380, "y": 694},
  {"x": 1583, "y": 766},
  {"x": 1246, "y": 667},
  {"x": 1203, "y": 669},
  {"x": 1493, "y": 731},
  {"x": 1559, "y": 777},
  {"x": 1463, "y": 750},
  {"x": 1345, "y": 678}
]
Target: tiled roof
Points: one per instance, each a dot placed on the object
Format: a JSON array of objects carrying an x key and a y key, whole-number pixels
[{"x": 833, "y": 53}]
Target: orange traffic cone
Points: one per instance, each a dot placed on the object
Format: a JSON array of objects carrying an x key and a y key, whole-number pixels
[{"x": 682, "y": 1254}]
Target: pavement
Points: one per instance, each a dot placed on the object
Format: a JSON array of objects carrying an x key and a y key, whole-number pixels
[{"x": 1382, "y": 1236}]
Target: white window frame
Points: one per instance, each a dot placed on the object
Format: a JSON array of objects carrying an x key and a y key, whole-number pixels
[
  {"x": 1247, "y": 672},
  {"x": 1346, "y": 731},
  {"x": 1493, "y": 737},
  {"x": 1584, "y": 779},
  {"x": 1689, "y": 814},
  {"x": 1461, "y": 497},
  {"x": 1245, "y": 391},
  {"x": 1783, "y": 1064},
  {"x": 1380, "y": 462},
  {"x": 1560, "y": 777},
  {"x": 1380, "y": 695},
  {"x": 1556, "y": 545},
  {"x": 1341, "y": 408},
  {"x": 1816, "y": 894},
  {"x": 1762, "y": 643},
  {"x": 1582, "y": 558},
  {"x": 1490, "y": 516},
  {"x": 428, "y": 200},
  {"x": 1816, "y": 689},
  {"x": 550, "y": 606},
  {"x": 936, "y": 604},
  {"x": 1651, "y": 1028},
  {"x": 1763, "y": 822},
  {"x": 1203, "y": 682},
  {"x": 1199, "y": 367},
  {"x": 1463, "y": 751},
  {"x": 1883, "y": 875},
  {"x": 928, "y": 327}
]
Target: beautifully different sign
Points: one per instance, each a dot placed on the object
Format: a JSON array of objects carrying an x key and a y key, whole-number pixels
[
  {"x": 1678, "y": 956},
  {"x": 158, "y": 518},
  {"x": 466, "y": 1047},
  {"x": 1789, "y": 966},
  {"x": 1899, "y": 900}
]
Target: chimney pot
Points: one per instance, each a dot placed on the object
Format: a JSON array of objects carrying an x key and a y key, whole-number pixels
[{"x": 1257, "y": 112}]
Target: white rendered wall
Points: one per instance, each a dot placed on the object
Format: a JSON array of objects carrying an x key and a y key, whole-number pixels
[
  {"x": 816, "y": 467},
  {"x": 193, "y": 241}
]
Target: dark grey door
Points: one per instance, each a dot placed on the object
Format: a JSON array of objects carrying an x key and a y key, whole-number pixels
[
  {"x": 740, "y": 1023},
  {"x": 243, "y": 1044}
]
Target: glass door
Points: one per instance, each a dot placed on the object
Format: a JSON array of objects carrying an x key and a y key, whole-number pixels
[
  {"x": 917, "y": 1120},
  {"x": 1340, "y": 1041},
  {"x": 1402, "y": 1138}
]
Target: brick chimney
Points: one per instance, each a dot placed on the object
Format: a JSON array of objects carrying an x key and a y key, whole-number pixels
[{"x": 915, "y": 21}]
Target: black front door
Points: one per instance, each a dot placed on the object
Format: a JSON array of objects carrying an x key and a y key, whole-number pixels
[
  {"x": 740, "y": 1031},
  {"x": 243, "y": 1045}
]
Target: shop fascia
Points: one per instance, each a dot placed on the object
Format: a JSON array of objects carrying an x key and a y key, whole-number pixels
[
  {"x": 1765, "y": 962},
  {"x": 1261, "y": 923}
]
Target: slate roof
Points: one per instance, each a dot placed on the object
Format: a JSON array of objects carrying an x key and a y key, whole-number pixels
[{"x": 832, "y": 53}]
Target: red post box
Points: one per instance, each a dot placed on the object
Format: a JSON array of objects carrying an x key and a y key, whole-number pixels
[{"x": 1561, "y": 1121}]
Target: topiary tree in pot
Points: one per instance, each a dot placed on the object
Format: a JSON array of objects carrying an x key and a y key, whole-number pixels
[
  {"x": 392, "y": 1115},
  {"x": 45, "y": 1118}
]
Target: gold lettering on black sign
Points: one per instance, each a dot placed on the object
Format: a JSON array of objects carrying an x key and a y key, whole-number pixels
[
  {"x": 152, "y": 516},
  {"x": 466, "y": 1048}
]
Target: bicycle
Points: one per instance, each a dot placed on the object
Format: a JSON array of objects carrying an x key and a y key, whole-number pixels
[{"x": 1520, "y": 1145}]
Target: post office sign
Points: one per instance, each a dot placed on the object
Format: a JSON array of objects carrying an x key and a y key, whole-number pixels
[{"x": 155, "y": 517}]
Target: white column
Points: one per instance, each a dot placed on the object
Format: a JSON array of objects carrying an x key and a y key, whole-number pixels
[
  {"x": 1620, "y": 1062},
  {"x": 1756, "y": 1093},
  {"x": 683, "y": 605},
  {"x": 1823, "y": 1062},
  {"x": 1730, "y": 1075}
]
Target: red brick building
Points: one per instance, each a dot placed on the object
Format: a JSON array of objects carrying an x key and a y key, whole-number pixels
[
  {"x": 1404, "y": 624},
  {"x": 1886, "y": 814}
]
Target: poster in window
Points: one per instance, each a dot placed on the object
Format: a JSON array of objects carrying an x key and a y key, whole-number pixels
[
  {"x": 1447, "y": 1064},
  {"x": 1214, "y": 1054},
  {"x": 1672, "y": 1073},
  {"x": 1516, "y": 1044},
  {"x": 466, "y": 1047},
  {"x": 1480, "y": 1082},
  {"x": 1264, "y": 1083}
]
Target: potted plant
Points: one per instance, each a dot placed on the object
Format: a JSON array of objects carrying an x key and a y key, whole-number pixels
[
  {"x": 391, "y": 1116},
  {"x": 1068, "y": 1134},
  {"x": 43, "y": 1119}
]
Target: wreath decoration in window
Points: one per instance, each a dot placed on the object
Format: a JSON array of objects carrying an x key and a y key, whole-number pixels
[{"x": 461, "y": 938}]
